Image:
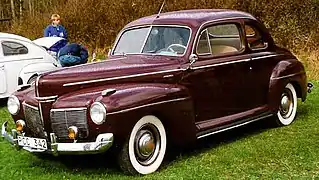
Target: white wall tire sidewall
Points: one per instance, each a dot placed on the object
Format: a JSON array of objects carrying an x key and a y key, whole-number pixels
[
  {"x": 156, "y": 164},
  {"x": 288, "y": 121}
]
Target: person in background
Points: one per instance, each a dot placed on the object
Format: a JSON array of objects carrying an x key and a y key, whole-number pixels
[
  {"x": 72, "y": 54},
  {"x": 55, "y": 29}
]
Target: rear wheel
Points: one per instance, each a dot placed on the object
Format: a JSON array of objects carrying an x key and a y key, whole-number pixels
[
  {"x": 144, "y": 151},
  {"x": 288, "y": 106}
]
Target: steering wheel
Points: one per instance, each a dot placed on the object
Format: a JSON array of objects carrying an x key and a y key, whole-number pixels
[{"x": 170, "y": 47}]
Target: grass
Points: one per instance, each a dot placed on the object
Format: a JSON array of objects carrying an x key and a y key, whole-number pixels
[{"x": 256, "y": 151}]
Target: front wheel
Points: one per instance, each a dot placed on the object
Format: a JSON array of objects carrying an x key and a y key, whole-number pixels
[
  {"x": 288, "y": 106},
  {"x": 144, "y": 151}
]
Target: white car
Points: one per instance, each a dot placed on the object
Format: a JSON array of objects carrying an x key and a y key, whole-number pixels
[{"x": 22, "y": 60}]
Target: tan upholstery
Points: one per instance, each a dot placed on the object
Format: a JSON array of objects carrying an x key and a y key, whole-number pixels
[
  {"x": 221, "y": 49},
  {"x": 219, "y": 46}
]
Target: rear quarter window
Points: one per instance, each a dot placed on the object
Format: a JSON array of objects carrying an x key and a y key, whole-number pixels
[{"x": 10, "y": 48}]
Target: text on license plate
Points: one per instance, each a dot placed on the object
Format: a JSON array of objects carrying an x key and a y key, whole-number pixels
[{"x": 32, "y": 142}]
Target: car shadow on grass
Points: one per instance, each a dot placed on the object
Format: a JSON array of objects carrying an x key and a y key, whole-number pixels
[
  {"x": 80, "y": 164},
  {"x": 107, "y": 163}
]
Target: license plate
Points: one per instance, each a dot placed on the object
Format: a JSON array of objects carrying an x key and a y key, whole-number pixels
[{"x": 32, "y": 142}]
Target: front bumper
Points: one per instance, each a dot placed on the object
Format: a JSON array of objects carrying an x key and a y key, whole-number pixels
[{"x": 102, "y": 143}]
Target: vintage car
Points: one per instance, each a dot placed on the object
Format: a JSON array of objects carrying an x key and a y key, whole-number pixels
[
  {"x": 170, "y": 79},
  {"x": 22, "y": 60}
]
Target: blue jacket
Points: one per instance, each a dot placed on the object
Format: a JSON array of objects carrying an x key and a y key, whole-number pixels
[
  {"x": 74, "y": 49},
  {"x": 55, "y": 31}
]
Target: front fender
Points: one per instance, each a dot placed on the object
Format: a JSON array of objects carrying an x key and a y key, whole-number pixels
[
  {"x": 169, "y": 102},
  {"x": 289, "y": 71},
  {"x": 35, "y": 69}
]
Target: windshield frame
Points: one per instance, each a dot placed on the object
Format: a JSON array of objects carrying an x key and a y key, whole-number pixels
[{"x": 150, "y": 26}]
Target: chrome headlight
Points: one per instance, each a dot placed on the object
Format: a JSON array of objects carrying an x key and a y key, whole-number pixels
[
  {"x": 13, "y": 105},
  {"x": 98, "y": 113}
]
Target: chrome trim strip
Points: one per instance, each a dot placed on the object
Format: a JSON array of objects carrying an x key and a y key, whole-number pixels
[
  {"x": 68, "y": 109},
  {"x": 41, "y": 114},
  {"x": 146, "y": 105},
  {"x": 27, "y": 59},
  {"x": 232, "y": 127},
  {"x": 45, "y": 101},
  {"x": 120, "y": 77},
  {"x": 208, "y": 39},
  {"x": 261, "y": 48},
  {"x": 46, "y": 98},
  {"x": 37, "y": 86},
  {"x": 33, "y": 107},
  {"x": 267, "y": 56},
  {"x": 220, "y": 64},
  {"x": 291, "y": 75},
  {"x": 151, "y": 26}
]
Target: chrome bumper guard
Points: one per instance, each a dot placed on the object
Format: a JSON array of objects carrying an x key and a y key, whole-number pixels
[
  {"x": 102, "y": 143},
  {"x": 310, "y": 86}
]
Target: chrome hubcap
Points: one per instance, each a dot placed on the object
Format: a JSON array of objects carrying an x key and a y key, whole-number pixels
[
  {"x": 147, "y": 144},
  {"x": 286, "y": 104}
]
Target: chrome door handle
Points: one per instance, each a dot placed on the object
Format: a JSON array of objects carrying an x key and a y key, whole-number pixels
[{"x": 168, "y": 76}]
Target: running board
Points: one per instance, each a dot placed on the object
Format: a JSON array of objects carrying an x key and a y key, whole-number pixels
[{"x": 228, "y": 127}]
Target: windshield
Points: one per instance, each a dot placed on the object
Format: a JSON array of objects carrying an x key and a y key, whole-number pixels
[{"x": 163, "y": 40}]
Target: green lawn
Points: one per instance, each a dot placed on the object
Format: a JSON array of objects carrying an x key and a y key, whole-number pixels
[{"x": 251, "y": 152}]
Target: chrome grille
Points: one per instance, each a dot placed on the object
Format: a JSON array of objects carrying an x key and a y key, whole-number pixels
[
  {"x": 33, "y": 121},
  {"x": 61, "y": 120}
]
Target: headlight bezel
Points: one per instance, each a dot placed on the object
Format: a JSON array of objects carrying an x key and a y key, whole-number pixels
[
  {"x": 102, "y": 109},
  {"x": 14, "y": 99}
]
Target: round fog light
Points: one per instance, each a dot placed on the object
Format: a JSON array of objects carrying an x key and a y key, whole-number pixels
[
  {"x": 20, "y": 125},
  {"x": 73, "y": 132}
]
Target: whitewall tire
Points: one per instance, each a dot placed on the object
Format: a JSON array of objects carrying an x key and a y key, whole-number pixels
[
  {"x": 287, "y": 106},
  {"x": 144, "y": 151}
]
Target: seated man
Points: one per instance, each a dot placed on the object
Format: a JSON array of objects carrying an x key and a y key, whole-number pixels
[{"x": 72, "y": 54}]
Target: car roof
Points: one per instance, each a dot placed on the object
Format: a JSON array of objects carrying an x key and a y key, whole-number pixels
[
  {"x": 192, "y": 18},
  {"x": 13, "y": 36}
]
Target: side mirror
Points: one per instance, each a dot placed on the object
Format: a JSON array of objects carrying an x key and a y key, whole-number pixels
[{"x": 192, "y": 59}]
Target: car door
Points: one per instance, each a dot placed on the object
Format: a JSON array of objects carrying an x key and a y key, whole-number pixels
[
  {"x": 3, "y": 81},
  {"x": 263, "y": 60},
  {"x": 217, "y": 80}
]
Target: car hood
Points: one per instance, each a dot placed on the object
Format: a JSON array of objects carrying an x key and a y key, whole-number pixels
[{"x": 123, "y": 69}]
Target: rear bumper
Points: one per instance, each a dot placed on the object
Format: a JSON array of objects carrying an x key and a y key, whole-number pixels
[
  {"x": 102, "y": 143},
  {"x": 309, "y": 87}
]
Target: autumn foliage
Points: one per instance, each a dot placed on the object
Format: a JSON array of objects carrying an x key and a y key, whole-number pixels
[{"x": 95, "y": 23}]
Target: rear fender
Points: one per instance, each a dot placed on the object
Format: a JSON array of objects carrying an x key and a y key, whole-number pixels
[
  {"x": 289, "y": 71},
  {"x": 35, "y": 69}
]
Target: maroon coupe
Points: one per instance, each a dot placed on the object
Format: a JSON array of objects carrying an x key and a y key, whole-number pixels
[{"x": 170, "y": 79}]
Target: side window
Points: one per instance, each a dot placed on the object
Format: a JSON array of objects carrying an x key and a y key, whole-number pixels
[
  {"x": 254, "y": 38},
  {"x": 220, "y": 39},
  {"x": 13, "y": 48}
]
